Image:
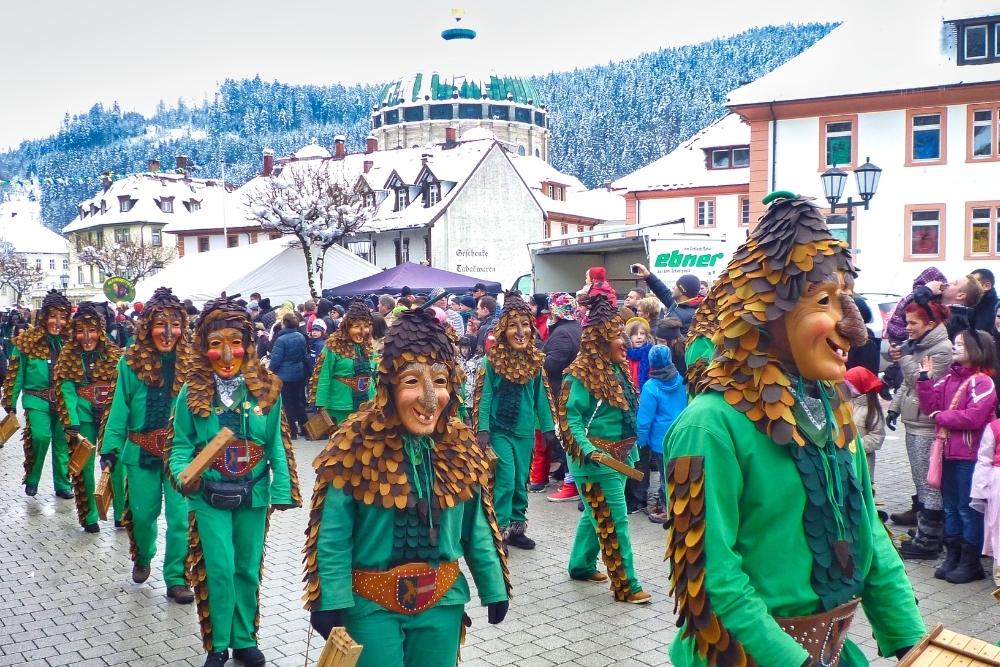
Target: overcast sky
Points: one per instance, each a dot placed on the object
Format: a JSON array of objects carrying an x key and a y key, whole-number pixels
[{"x": 65, "y": 55}]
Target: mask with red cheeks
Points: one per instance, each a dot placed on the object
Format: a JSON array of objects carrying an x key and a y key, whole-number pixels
[
  {"x": 166, "y": 330},
  {"x": 226, "y": 351},
  {"x": 86, "y": 335}
]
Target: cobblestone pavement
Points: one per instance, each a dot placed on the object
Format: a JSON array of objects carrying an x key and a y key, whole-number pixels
[{"x": 66, "y": 597}]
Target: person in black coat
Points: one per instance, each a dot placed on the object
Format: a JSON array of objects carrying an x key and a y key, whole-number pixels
[
  {"x": 984, "y": 312},
  {"x": 289, "y": 357}
]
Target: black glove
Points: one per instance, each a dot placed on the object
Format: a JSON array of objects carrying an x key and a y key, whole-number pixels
[
  {"x": 281, "y": 507},
  {"x": 72, "y": 433},
  {"x": 901, "y": 653},
  {"x": 552, "y": 442},
  {"x": 325, "y": 621},
  {"x": 497, "y": 611},
  {"x": 109, "y": 461},
  {"x": 483, "y": 439},
  {"x": 890, "y": 419},
  {"x": 589, "y": 458}
]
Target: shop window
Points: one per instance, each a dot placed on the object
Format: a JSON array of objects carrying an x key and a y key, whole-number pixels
[
  {"x": 838, "y": 142},
  {"x": 926, "y": 136},
  {"x": 924, "y": 231}
]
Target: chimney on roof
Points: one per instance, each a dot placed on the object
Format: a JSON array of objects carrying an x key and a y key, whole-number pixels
[
  {"x": 450, "y": 136},
  {"x": 369, "y": 164},
  {"x": 372, "y": 145},
  {"x": 338, "y": 151},
  {"x": 424, "y": 157},
  {"x": 182, "y": 163},
  {"x": 154, "y": 165},
  {"x": 106, "y": 180},
  {"x": 268, "y": 162}
]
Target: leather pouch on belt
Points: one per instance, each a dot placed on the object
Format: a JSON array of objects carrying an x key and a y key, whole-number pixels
[
  {"x": 619, "y": 449},
  {"x": 822, "y": 634},
  {"x": 406, "y": 589}
]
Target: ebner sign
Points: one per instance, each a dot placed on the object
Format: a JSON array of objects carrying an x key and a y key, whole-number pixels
[
  {"x": 672, "y": 258},
  {"x": 677, "y": 259}
]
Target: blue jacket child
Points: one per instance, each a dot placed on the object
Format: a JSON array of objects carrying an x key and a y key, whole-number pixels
[{"x": 660, "y": 403}]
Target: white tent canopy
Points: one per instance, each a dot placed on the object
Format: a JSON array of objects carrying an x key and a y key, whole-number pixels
[{"x": 275, "y": 268}]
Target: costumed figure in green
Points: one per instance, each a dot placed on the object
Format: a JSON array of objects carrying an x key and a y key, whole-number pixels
[
  {"x": 135, "y": 434},
  {"x": 774, "y": 538},
  {"x": 344, "y": 376},
  {"x": 29, "y": 376},
  {"x": 597, "y": 412},
  {"x": 229, "y": 508},
  {"x": 512, "y": 396},
  {"x": 401, "y": 494},
  {"x": 85, "y": 376},
  {"x": 698, "y": 347}
]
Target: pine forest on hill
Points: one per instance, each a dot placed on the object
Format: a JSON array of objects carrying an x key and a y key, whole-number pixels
[{"x": 606, "y": 120}]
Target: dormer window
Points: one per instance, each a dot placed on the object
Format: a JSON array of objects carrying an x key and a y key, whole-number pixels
[
  {"x": 369, "y": 199},
  {"x": 728, "y": 157},
  {"x": 167, "y": 204},
  {"x": 979, "y": 41},
  {"x": 432, "y": 193},
  {"x": 192, "y": 205},
  {"x": 125, "y": 203},
  {"x": 554, "y": 191},
  {"x": 402, "y": 198}
]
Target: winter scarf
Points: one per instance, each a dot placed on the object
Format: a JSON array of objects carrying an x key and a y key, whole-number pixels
[{"x": 638, "y": 361}]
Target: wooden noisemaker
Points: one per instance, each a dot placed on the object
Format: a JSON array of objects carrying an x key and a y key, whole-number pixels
[
  {"x": 8, "y": 427},
  {"x": 103, "y": 494},
  {"x": 319, "y": 425},
  {"x": 190, "y": 476},
  {"x": 340, "y": 650},
  {"x": 82, "y": 451}
]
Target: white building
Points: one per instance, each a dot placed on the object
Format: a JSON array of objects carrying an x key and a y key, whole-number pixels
[
  {"x": 139, "y": 208},
  {"x": 704, "y": 181},
  {"x": 34, "y": 244},
  {"x": 922, "y": 101},
  {"x": 469, "y": 205}
]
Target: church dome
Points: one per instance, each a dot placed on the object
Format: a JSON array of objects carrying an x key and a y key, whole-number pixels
[{"x": 424, "y": 87}]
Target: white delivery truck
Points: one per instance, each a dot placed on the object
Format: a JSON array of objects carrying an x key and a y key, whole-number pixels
[{"x": 559, "y": 263}]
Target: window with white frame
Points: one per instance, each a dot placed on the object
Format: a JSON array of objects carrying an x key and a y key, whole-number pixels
[
  {"x": 744, "y": 211},
  {"x": 982, "y": 133},
  {"x": 38, "y": 264},
  {"x": 52, "y": 265},
  {"x": 984, "y": 230},
  {"x": 705, "y": 212},
  {"x": 402, "y": 199},
  {"x": 121, "y": 234},
  {"x": 65, "y": 264},
  {"x": 839, "y": 143},
  {"x": 926, "y": 137},
  {"x": 925, "y": 232},
  {"x": 155, "y": 237}
]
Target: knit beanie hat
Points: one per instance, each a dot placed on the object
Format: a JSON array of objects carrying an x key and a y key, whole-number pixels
[
  {"x": 660, "y": 357},
  {"x": 668, "y": 328},
  {"x": 468, "y": 301},
  {"x": 318, "y": 323},
  {"x": 689, "y": 285}
]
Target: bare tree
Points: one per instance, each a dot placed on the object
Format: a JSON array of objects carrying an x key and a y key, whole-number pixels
[
  {"x": 317, "y": 208},
  {"x": 127, "y": 259},
  {"x": 16, "y": 273}
]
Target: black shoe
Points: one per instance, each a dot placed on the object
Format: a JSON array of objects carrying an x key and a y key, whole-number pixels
[
  {"x": 250, "y": 657},
  {"x": 521, "y": 541},
  {"x": 969, "y": 568},
  {"x": 953, "y": 551},
  {"x": 119, "y": 524},
  {"x": 65, "y": 494},
  {"x": 30, "y": 490},
  {"x": 92, "y": 528},
  {"x": 633, "y": 509},
  {"x": 217, "y": 659},
  {"x": 180, "y": 594},
  {"x": 579, "y": 506},
  {"x": 140, "y": 573}
]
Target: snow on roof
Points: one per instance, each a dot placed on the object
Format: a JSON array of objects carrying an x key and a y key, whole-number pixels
[
  {"x": 890, "y": 49},
  {"x": 312, "y": 150},
  {"x": 20, "y": 225},
  {"x": 147, "y": 191},
  {"x": 685, "y": 167},
  {"x": 449, "y": 165},
  {"x": 475, "y": 133},
  {"x": 600, "y": 204}
]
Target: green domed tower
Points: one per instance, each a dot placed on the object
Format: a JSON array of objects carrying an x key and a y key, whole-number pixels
[{"x": 434, "y": 107}]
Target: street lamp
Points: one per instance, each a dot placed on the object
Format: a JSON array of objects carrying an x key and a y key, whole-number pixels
[
  {"x": 64, "y": 280},
  {"x": 834, "y": 180}
]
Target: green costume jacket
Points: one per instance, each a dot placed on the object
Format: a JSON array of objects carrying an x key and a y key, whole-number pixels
[
  {"x": 354, "y": 535},
  {"x": 586, "y": 418},
  {"x": 244, "y": 418},
  {"x": 29, "y": 373},
  {"x": 532, "y": 407},
  {"x": 128, "y": 413},
  {"x": 333, "y": 394},
  {"x": 756, "y": 557}
]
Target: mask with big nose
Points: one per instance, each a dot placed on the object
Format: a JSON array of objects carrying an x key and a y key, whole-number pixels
[
  {"x": 421, "y": 395},
  {"x": 166, "y": 330},
  {"x": 517, "y": 333},
  {"x": 86, "y": 335},
  {"x": 226, "y": 351}
]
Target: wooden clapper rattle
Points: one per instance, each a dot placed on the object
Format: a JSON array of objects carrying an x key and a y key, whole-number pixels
[
  {"x": 944, "y": 648},
  {"x": 8, "y": 427},
  {"x": 191, "y": 475},
  {"x": 319, "y": 425},
  {"x": 340, "y": 650}
]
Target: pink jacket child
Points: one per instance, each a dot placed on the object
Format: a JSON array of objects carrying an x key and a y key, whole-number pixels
[
  {"x": 970, "y": 416},
  {"x": 985, "y": 494}
]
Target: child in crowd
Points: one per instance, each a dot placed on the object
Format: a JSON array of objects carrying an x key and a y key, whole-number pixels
[
  {"x": 868, "y": 416},
  {"x": 660, "y": 402},
  {"x": 470, "y": 364},
  {"x": 985, "y": 495},
  {"x": 639, "y": 335},
  {"x": 317, "y": 338},
  {"x": 962, "y": 404}
]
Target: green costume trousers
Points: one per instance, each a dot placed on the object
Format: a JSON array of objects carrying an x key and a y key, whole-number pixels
[
  {"x": 45, "y": 428},
  {"x": 83, "y": 486},
  {"x": 233, "y": 546},
  {"x": 587, "y": 545},
  {"x": 510, "y": 499},
  {"x": 118, "y": 491},
  {"x": 338, "y": 416},
  {"x": 148, "y": 490},
  {"x": 427, "y": 639}
]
